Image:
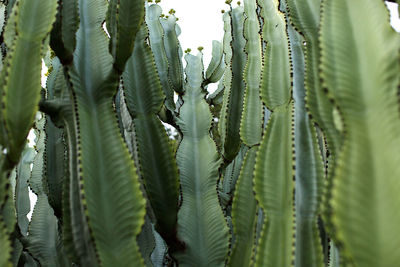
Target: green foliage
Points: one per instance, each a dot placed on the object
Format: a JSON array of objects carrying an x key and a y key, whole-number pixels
[{"x": 292, "y": 161}]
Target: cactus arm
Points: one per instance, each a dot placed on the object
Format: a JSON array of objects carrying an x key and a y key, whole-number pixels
[
  {"x": 77, "y": 240},
  {"x": 274, "y": 188},
  {"x": 309, "y": 168},
  {"x": 216, "y": 98},
  {"x": 216, "y": 68},
  {"x": 20, "y": 98},
  {"x": 235, "y": 57},
  {"x": 83, "y": 243},
  {"x": 62, "y": 38},
  {"x": 201, "y": 223},
  {"x": 144, "y": 98},
  {"x": 156, "y": 37},
  {"x": 43, "y": 241},
  {"x": 305, "y": 17},
  {"x": 141, "y": 73},
  {"x": 365, "y": 90},
  {"x": 174, "y": 53},
  {"x": 251, "y": 121},
  {"x": 244, "y": 210},
  {"x": 232, "y": 172},
  {"x": 124, "y": 18},
  {"x": 226, "y": 82},
  {"x": 111, "y": 198},
  {"x": 276, "y": 81},
  {"x": 54, "y": 169},
  {"x": 58, "y": 176}
]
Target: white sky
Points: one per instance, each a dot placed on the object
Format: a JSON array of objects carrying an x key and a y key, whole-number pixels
[{"x": 394, "y": 16}]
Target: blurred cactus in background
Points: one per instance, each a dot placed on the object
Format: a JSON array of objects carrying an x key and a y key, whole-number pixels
[{"x": 293, "y": 161}]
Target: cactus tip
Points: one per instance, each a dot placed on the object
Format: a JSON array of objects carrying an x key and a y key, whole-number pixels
[
  {"x": 228, "y": 2},
  {"x": 200, "y": 48},
  {"x": 238, "y": 3},
  {"x": 158, "y": 1},
  {"x": 188, "y": 50}
]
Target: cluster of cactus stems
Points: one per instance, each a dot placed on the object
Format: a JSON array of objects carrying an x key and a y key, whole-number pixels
[{"x": 293, "y": 161}]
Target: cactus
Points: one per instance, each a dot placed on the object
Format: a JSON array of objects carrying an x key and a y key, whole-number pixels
[
  {"x": 201, "y": 223},
  {"x": 235, "y": 60},
  {"x": 292, "y": 161},
  {"x": 144, "y": 99},
  {"x": 366, "y": 95}
]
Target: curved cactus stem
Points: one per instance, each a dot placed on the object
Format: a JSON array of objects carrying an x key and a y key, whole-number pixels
[
  {"x": 216, "y": 68},
  {"x": 55, "y": 167},
  {"x": 174, "y": 53},
  {"x": 62, "y": 38},
  {"x": 244, "y": 214},
  {"x": 305, "y": 18},
  {"x": 124, "y": 18},
  {"x": 274, "y": 188},
  {"x": 366, "y": 184},
  {"x": 251, "y": 120},
  {"x": 61, "y": 171},
  {"x": 110, "y": 191},
  {"x": 201, "y": 223},
  {"x": 156, "y": 38},
  {"x": 235, "y": 59},
  {"x": 309, "y": 168},
  {"x": 144, "y": 98},
  {"x": 20, "y": 97},
  {"x": 276, "y": 80},
  {"x": 43, "y": 241},
  {"x": 82, "y": 241},
  {"x": 28, "y": 27},
  {"x": 231, "y": 174}
]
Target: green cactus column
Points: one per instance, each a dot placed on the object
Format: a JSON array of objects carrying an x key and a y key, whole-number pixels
[
  {"x": 113, "y": 204},
  {"x": 274, "y": 169},
  {"x": 235, "y": 60},
  {"x": 309, "y": 168},
  {"x": 144, "y": 99},
  {"x": 29, "y": 23},
  {"x": 201, "y": 223},
  {"x": 304, "y": 15},
  {"x": 360, "y": 69},
  {"x": 244, "y": 206}
]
